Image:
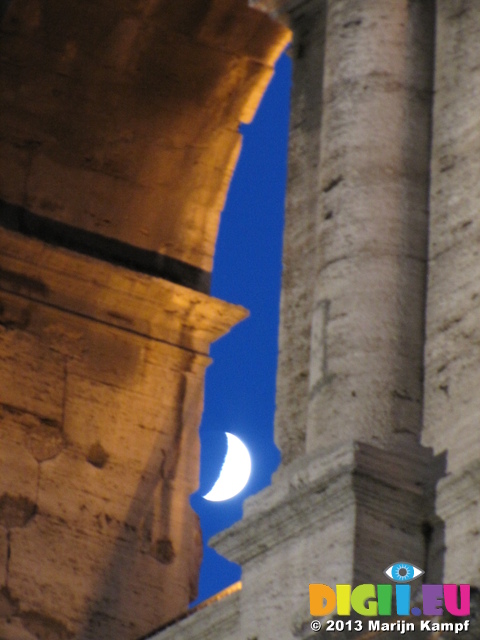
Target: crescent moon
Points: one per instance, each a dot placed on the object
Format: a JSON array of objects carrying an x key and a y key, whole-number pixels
[{"x": 235, "y": 471}]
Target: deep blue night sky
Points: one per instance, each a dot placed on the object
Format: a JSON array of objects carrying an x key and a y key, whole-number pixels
[{"x": 240, "y": 384}]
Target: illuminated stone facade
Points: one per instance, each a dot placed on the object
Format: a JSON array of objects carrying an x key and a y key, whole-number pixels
[{"x": 118, "y": 137}]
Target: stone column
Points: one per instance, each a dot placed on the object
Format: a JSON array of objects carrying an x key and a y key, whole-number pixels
[
  {"x": 299, "y": 247},
  {"x": 452, "y": 399},
  {"x": 368, "y": 309}
]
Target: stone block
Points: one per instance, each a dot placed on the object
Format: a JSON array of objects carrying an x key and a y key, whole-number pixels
[
  {"x": 19, "y": 477},
  {"x": 67, "y": 567},
  {"x": 163, "y": 310},
  {"x": 32, "y": 376},
  {"x": 116, "y": 589}
]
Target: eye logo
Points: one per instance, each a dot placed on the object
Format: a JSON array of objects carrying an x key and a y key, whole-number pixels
[
  {"x": 403, "y": 572},
  {"x": 381, "y": 599}
]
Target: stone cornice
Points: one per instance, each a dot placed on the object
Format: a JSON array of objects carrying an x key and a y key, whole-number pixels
[
  {"x": 309, "y": 496},
  {"x": 114, "y": 295},
  {"x": 313, "y": 490}
]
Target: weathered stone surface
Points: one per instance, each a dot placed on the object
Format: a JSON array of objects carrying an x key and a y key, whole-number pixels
[
  {"x": 333, "y": 517},
  {"x": 65, "y": 564},
  {"x": 94, "y": 569},
  {"x": 364, "y": 130},
  {"x": 452, "y": 402},
  {"x": 99, "y": 427},
  {"x": 3, "y": 556},
  {"x": 458, "y": 506},
  {"x": 279, "y": 9},
  {"x": 110, "y": 128},
  {"x": 13, "y": 629},
  {"x": 218, "y": 617},
  {"x": 367, "y": 326},
  {"x": 19, "y": 475},
  {"x": 45, "y": 628},
  {"x": 115, "y": 296},
  {"x": 99, "y": 124},
  {"x": 36, "y": 370},
  {"x": 119, "y": 123},
  {"x": 299, "y": 249},
  {"x": 16, "y": 511},
  {"x": 351, "y": 332}
]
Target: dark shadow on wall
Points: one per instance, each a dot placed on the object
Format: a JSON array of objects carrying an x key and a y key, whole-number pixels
[
  {"x": 396, "y": 520},
  {"x": 4, "y": 4}
]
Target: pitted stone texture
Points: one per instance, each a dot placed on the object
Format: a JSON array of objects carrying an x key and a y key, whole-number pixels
[
  {"x": 452, "y": 403},
  {"x": 458, "y": 505},
  {"x": 19, "y": 477},
  {"x": 99, "y": 428},
  {"x": 13, "y": 629},
  {"x": 337, "y": 517},
  {"x": 36, "y": 370},
  {"x": 114, "y": 296},
  {"x": 367, "y": 327},
  {"x": 3, "y": 556},
  {"x": 101, "y": 524},
  {"x": 299, "y": 236},
  {"x": 452, "y": 353},
  {"x": 16, "y": 511},
  {"x": 111, "y": 112},
  {"x": 280, "y": 9}
]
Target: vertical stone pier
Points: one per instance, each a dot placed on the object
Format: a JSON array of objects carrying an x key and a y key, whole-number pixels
[
  {"x": 452, "y": 362},
  {"x": 101, "y": 394},
  {"x": 371, "y": 222},
  {"x": 299, "y": 244}
]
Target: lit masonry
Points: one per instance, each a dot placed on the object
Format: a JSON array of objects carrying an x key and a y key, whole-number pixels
[
  {"x": 378, "y": 404},
  {"x": 115, "y": 161},
  {"x": 378, "y": 409}
]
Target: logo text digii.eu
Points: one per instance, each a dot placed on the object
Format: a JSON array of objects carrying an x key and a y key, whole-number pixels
[{"x": 378, "y": 600}]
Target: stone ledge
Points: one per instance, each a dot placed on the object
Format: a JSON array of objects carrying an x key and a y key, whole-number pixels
[
  {"x": 309, "y": 497},
  {"x": 113, "y": 295},
  {"x": 314, "y": 490}
]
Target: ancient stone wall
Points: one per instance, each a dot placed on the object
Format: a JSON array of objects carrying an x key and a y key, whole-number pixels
[
  {"x": 452, "y": 401},
  {"x": 118, "y": 138},
  {"x": 101, "y": 396},
  {"x": 122, "y": 119}
]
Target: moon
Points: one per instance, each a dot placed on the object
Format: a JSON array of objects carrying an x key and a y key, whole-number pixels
[{"x": 235, "y": 471}]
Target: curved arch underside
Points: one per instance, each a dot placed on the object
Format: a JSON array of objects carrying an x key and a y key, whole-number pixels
[{"x": 121, "y": 119}]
